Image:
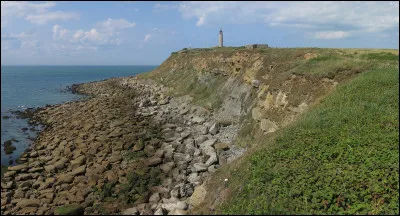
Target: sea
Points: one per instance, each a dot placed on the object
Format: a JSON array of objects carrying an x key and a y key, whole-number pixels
[{"x": 23, "y": 87}]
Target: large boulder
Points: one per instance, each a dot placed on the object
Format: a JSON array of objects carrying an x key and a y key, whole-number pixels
[
  {"x": 198, "y": 196},
  {"x": 268, "y": 126},
  {"x": 214, "y": 129}
]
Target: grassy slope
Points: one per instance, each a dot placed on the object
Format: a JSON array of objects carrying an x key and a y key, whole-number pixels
[{"x": 341, "y": 157}]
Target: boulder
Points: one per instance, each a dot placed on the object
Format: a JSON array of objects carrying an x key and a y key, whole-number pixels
[
  {"x": 149, "y": 150},
  {"x": 78, "y": 170},
  {"x": 214, "y": 129},
  {"x": 50, "y": 168},
  {"x": 28, "y": 203},
  {"x": 78, "y": 161},
  {"x": 153, "y": 161},
  {"x": 185, "y": 134},
  {"x": 255, "y": 83},
  {"x": 131, "y": 211},
  {"x": 18, "y": 167},
  {"x": 64, "y": 178},
  {"x": 198, "y": 196},
  {"x": 154, "y": 198},
  {"x": 221, "y": 146},
  {"x": 198, "y": 120},
  {"x": 199, "y": 167},
  {"x": 10, "y": 174},
  {"x": 268, "y": 126},
  {"x": 172, "y": 206},
  {"x": 167, "y": 167},
  {"x": 23, "y": 177},
  {"x": 60, "y": 164}
]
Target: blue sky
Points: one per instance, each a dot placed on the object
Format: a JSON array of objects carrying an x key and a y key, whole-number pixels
[{"x": 145, "y": 33}]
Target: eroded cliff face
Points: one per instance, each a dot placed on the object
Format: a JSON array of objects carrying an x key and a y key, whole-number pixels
[{"x": 237, "y": 83}]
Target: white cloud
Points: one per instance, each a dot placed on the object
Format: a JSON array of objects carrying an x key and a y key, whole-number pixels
[
  {"x": 19, "y": 36},
  {"x": 104, "y": 33},
  {"x": 147, "y": 37},
  {"x": 317, "y": 16},
  {"x": 31, "y": 44},
  {"x": 331, "y": 35},
  {"x": 41, "y": 19},
  {"x": 111, "y": 25},
  {"x": 59, "y": 32},
  {"x": 36, "y": 13},
  {"x": 79, "y": 34},
  {"x": 164, "y": 7}
]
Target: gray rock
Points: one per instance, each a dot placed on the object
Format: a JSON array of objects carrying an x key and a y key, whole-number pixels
[
  {"x": 199, "y": 167},
  {"x": 193, "y": 177},
  {"x": 255, "y": 83},
  {"x": 160, "y": 211},
  {"x": 149, "y": 150},
  {"x": 10, "y": 174},
  {"x": 214, "y": 129},
  {"x": 18, "y": 167},
  {"x": 268, "y": 126},
  {"x": 212, "y": 168},
  {"x": 78, "y": 170},
  {"x": 167, "y": 167},
  {"x": 184, "y": 111},
  {"x": 8, "y": 185},
  {"x": 175, "y": 192},
  {"x": 198, "y": 120},
  {"x": 172, "y": 206},
  {"x": 50, "y": 168},
  {"x": 154, "y": 198},
  {"x": 23, "y": 177},
  {"x": 60, "y": 164},
  {"x": 153, "y": 161},
  {"x": 131, "y": 211},
  {"x": 181, "y": 157},
  {"x": 200, "y": 139},
  {"x": 203, "y": 130},
  {"x": 185, "y": 134}
]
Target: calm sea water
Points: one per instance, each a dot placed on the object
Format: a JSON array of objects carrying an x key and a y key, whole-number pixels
[{"x": 36, "y": 86}]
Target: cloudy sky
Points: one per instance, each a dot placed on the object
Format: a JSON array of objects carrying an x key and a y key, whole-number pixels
[{"x": 145, "y": 33}]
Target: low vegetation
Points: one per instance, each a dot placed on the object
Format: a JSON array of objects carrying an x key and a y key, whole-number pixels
[{"x": 339, "y": 158}]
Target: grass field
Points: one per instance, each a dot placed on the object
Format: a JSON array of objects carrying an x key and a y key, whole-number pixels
[{"x": 342, "y": 157}]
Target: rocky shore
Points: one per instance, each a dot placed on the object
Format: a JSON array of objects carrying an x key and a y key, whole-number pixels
[{"x": 129, "y": 149}]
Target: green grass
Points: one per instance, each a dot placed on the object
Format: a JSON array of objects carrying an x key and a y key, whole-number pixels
[
  {"x": 342, "y": 157},
  {"x": 381, "y": 56},
  {"x": 72, "y": 209}
]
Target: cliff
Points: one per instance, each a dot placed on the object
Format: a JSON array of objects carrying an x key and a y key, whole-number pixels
[{"x": 222, "y": 130}]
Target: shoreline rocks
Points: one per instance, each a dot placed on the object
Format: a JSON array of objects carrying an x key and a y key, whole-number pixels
[{"x": 129, "y": 149}]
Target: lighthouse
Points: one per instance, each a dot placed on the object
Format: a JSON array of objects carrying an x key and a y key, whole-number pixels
[{"x": 221, "y": 38}]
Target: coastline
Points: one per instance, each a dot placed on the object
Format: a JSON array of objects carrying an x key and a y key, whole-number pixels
[{"x": 129, "y": 147}]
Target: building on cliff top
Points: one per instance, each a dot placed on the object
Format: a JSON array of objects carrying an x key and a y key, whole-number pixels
[{"x": 253, "y": 46}]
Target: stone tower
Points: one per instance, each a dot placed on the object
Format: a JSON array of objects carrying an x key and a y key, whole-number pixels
[{"x": 221, "y": 39}]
